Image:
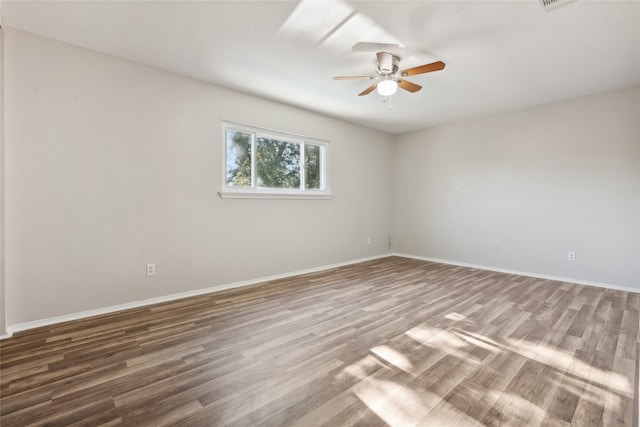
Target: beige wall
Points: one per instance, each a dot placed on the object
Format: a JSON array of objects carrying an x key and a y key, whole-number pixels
[
  {"x": 111, "y": 165},
  {"x": 539, "y": 183}
]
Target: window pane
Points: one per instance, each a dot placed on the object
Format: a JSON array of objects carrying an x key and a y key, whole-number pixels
[
  {"x": 312, "y": 166},
  {"x": 277, "y": 163},
  {"x": 238, "y": 159}
]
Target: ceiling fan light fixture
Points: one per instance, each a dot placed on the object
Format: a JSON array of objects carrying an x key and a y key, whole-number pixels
[
  {"x": 387, "y": 87},
  {"x": 389, "y": 77}
]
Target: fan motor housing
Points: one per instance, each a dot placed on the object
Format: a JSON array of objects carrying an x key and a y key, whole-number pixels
[{"x": 387, "y": 63}]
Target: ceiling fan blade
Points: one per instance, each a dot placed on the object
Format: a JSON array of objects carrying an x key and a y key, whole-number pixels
[
  {"x": 426, "y": 68},
  {"x": 374, "y": 47},
  {"x": 407, "y": 85},
  {"x": 353, "y": 78},
  {"x": 368, "y": 90}
]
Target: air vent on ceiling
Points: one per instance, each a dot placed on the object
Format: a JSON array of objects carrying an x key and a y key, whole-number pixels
[{"x": 550, "y": 5}]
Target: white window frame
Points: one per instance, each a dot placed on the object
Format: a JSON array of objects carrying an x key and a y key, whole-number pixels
[{"x": 254, "y": 191}]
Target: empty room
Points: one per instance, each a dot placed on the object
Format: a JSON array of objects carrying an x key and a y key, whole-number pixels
[{"x": 319, "y": 213}]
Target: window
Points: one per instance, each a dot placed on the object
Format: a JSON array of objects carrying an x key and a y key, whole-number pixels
[{"x": 265, "y": 163}]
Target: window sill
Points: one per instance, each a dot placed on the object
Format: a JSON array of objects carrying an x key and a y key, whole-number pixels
[{"x": 273, "y": 195}]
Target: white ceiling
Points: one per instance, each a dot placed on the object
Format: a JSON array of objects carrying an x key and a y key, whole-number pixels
[{"x": 500, "y": 55}]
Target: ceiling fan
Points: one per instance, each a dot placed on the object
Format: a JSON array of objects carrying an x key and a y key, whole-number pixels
[{"x": 389, "y": 78}]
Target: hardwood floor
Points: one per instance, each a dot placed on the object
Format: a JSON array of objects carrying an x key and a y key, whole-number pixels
[{"x": 394, "y": 341}]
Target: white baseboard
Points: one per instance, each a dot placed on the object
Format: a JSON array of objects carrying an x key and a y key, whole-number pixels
[
  {"x": 11, "y": 329},
  {"x": 135, "y": 304},
  {"x": 521, "y": 273}
]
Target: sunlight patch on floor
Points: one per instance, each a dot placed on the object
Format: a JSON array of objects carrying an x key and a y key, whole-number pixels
[
  {"x": 436, "y": 337},
  {"x": 453, "y": 341},
  {"x": 398, "y": 404},
  {"x": 568, "y": 362},
  {"x": 360, "y": 369},
  {"x": 456, "y": 317},
  {"x": 395, "y": 404},
  {"x": 511, "y": 409},
  {"x": 477, "y": 340},
  {"x": 394, "y": 357},
  {"x": 587, "y": 391}
]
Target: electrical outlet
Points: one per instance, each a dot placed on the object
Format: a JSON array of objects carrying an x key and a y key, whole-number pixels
[
  {"x": 368, "y": 240},
  {"x": 151, "y": 269},
  {"x": 571, "y": 256},
  {"x": 496, "y": 248}
]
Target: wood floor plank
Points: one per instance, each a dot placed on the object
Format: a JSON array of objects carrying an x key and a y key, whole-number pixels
[{"x": 393, "y": 341}]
